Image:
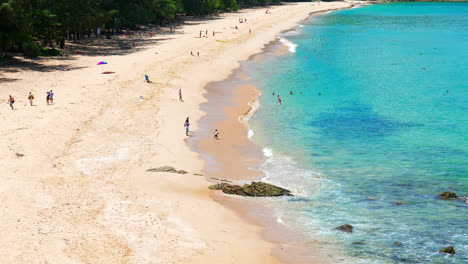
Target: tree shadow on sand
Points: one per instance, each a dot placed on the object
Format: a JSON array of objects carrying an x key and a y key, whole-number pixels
[
  {"x": 46, "y": 64},
  {"x": 116, "y": 46}
]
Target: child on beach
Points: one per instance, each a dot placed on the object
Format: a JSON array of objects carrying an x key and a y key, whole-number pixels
[
  {"x": 30, "y": 98},
  {"x": 147, "y": 78},
  {"x": 180, "y": 95},
  {"x": 48, "y": 97},
  {"x": 216, "y": 134},
  {"x": 11, "y": 101}
]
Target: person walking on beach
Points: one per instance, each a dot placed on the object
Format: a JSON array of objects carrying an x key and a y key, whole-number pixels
[
  {"x": 11, "y": 101},
  {"x": 48, "y": 97},
  {"x": 279, "y": 99},
  {"x": 213, "y": 33},
  {"x": 180, "y": 95},
  {"x": 186, "y": 125},
  {"x": 198, "y": 53},
  {"x": 30, "y": 98},
  {"x": 51, "y": 97},
  {"x": 216, "y": 134}
]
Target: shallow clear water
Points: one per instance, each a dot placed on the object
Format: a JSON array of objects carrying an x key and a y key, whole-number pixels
[{"x": 384, "y": 129}]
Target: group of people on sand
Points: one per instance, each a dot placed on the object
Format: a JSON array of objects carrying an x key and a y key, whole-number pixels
[
  {"x": 49, "y": 99},
  {"x": 198, "y": 53},
  {"x": 206, "y": 33}
]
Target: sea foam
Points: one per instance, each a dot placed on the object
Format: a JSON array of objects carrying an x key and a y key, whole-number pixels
[
  {"x": 283, "y": 171},
  {"x": 250, "y": 133},
  {"x": 291, "y": 46}
]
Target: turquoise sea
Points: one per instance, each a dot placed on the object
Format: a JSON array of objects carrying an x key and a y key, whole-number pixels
[{"x": 376, "y": 128}]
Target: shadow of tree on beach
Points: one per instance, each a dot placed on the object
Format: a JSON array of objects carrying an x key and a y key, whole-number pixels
[
  {"x": 116, "y": 46},
  {"x": 46, "y": 64},
  {"x": 190, "y": 20},
  {"x": 7, "y": 79}
]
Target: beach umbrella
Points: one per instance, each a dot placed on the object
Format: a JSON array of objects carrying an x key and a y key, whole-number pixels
[{"x": 103, "y": 63}]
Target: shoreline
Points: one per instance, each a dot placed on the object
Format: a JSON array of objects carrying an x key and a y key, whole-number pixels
[
  {"x": 234, "y": 97},
  {"x": 76, "y": 188},
  {"x": 229, "y": 107}
]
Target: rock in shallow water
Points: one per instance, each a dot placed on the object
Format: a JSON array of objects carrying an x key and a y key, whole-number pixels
[
  {"x": 448, "y": 250},
  {"x": 256, "y": 189},
  {"x": 345, "y": 228},
  {"x": 447, "y": 196}
]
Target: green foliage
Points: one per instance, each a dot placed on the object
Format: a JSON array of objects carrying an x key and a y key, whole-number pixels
[
  {"x": 50, "y": 52},
  {"x": 165, "y": 11},
  {"x": 31, "y": 49}
]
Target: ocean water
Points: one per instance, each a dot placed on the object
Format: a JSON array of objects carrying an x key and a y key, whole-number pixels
[{"x": 376, "y": 128}]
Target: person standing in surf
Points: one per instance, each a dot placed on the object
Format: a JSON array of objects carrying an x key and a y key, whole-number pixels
[
  {"x": 279, "y": 99},
  {"x": 186, "y": 125}
]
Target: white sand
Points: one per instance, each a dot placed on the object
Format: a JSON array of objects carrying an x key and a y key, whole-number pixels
[{"x": 81, "y": 193}]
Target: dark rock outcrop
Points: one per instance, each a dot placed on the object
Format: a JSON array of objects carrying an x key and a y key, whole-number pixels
[
  {"x": 448, "y": 250},
  {"x": 447, "y": 196},
  {"x": 345, "y": 228},
  {"x": 256, "y": 189},
  {"x": 167, "y": 169}
]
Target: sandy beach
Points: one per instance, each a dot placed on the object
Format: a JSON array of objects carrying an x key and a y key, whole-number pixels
[{"x": 74, "y": 183}]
